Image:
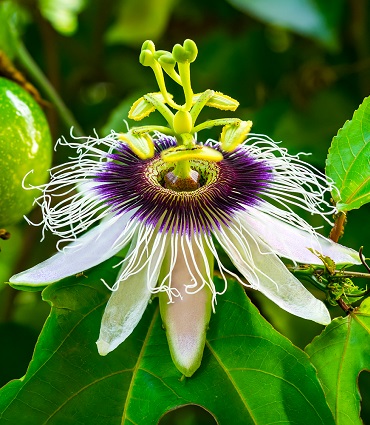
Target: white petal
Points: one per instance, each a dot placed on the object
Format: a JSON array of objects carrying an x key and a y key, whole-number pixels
[
  {"x": 264, "y": 271},
  {"x": 127, "y": 305},
  {"x": 186, "y": 319},
  {"x": 290, "y": 242},
  {"x": 94, "y": 247}
]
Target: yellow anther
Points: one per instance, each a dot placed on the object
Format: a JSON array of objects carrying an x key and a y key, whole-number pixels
[
  {"x": 141, "y": 144},
  {"x": 234, "y": 134}
]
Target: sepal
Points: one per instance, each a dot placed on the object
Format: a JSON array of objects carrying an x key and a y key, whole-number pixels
[{"x": 28, "y": 287}]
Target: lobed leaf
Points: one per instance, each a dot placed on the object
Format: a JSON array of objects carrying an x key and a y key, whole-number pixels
[
  {"x": 250, "y": 374},
  {"x": 348, "y": 161},
  {"x": 339, "y": 354}
]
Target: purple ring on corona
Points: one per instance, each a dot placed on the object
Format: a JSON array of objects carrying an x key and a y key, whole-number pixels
[{"x": 129, "y": 183}]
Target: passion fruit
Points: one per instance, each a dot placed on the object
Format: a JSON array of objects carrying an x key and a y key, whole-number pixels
[{"x": 25, "y": 145}]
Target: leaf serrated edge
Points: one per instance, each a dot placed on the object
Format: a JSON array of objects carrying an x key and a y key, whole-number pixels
[{"x": 336, "y": 191}]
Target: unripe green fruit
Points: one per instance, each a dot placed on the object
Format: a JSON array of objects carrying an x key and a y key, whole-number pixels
[{"x": 25, "y": 145}]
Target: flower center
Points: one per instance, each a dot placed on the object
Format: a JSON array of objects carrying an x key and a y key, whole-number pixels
[
  {"x": 203, "y": 173},
  {"x": 219, "y": 189}
]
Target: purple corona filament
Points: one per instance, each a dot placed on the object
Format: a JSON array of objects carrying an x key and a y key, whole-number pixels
[{"x": 128, "y": 183}]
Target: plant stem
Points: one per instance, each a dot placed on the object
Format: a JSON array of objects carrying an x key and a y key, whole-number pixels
[
  {"x": 353, "y": 274},
  {"x": 338, "y": 228},
  {"x": 29, "y": 64},
  {"x": 345, "y": 307}
]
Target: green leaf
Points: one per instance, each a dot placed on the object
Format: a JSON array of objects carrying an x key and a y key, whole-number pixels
[
  {"x": 348, "y": 162},
  {"x": 137, "y": 23},
  {"x": 249, "y": 372},
  {"x": 305, "y": 17},
  {"x": 339, "y": 354}
]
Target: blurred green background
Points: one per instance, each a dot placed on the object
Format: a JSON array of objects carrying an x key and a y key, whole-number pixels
[{"x": 299, "y": 69}]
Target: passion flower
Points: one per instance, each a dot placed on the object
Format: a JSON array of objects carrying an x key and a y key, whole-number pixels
[{"x": 168, "y": 197}]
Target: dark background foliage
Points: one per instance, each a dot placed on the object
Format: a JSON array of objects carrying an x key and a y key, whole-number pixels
[{"x": 298, "y": 68}]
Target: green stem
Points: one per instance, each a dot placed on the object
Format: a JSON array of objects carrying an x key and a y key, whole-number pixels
[
  {"x": 186, "y": 139},
  {"x": 309, "y": 272},
  {"x": 352, "y": 274},
  {"x": 30, "y": 65}
]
